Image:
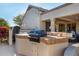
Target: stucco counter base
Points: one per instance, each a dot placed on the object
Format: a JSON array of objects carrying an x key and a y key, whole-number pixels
[{"x": 48, "y": 46}]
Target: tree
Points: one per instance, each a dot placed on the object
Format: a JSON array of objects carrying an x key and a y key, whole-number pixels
[
  {"x": 18, "y": 19},
  {"x": 3, "y": 22},
  {"x": 4, "y": 29}
]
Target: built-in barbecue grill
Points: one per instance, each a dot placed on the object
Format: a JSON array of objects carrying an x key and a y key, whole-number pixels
[{"x": 36, "y": 34}]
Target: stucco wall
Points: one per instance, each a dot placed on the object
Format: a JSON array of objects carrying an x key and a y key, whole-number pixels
[
  {"x": 67, "y": 10},
  {"x": 65, "y": 23},
  {"x": 31, "y": 19}
]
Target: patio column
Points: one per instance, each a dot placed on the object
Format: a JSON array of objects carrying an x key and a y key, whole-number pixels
[
  {"x": 57, "y": 27},
  {"x": 10, "y": 37},
  {"x": 65, "y": 27},
  {"x": 53, "y": 25}
]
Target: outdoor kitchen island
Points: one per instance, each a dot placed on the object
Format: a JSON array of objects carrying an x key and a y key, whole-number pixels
[{"x": 48, "y": 46}]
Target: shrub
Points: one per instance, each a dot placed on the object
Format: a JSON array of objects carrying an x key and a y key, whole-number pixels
[{"x": 4, "y": 32}]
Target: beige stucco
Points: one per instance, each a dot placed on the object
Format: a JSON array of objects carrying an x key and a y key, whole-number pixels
[
  {"x": 65, "y": 11},
  {"x": 26, "y": 47},
  {"x": 31, "y": 19},
  {"x": 65, "y": 22}
]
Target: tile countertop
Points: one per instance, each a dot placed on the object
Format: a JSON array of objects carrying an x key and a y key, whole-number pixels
[
  {"x": 53, "y": 40},
  {"x": 22, "y": 35},
  {"x": 46, "y": 40}
]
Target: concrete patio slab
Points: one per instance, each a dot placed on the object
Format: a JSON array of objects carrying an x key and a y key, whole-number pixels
[{"x": 6, "y": 50}]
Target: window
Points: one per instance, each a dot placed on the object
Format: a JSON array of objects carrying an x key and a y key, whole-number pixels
[
  {"x": 71, "y": 27},
  {"x": 74, "y": 26},
  {"x": 48, "y": 23},
  {"x": 61, "y": 27}
]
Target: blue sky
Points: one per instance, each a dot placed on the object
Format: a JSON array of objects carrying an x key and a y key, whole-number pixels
[{"x": 9, "y": 10}]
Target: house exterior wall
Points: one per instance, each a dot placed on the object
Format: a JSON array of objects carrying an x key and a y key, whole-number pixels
[
  {"x": 65, "y": 23},
  {"x": 67, "y": 10},
  {"x": 31, "y": 19},
  {"x": 43, "y": 25}
]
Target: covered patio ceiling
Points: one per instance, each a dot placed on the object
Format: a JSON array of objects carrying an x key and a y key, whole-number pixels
[{"x": 69, "y": 18}]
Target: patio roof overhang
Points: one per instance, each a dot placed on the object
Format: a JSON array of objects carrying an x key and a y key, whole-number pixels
[{"x": 69, "y": 18}]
